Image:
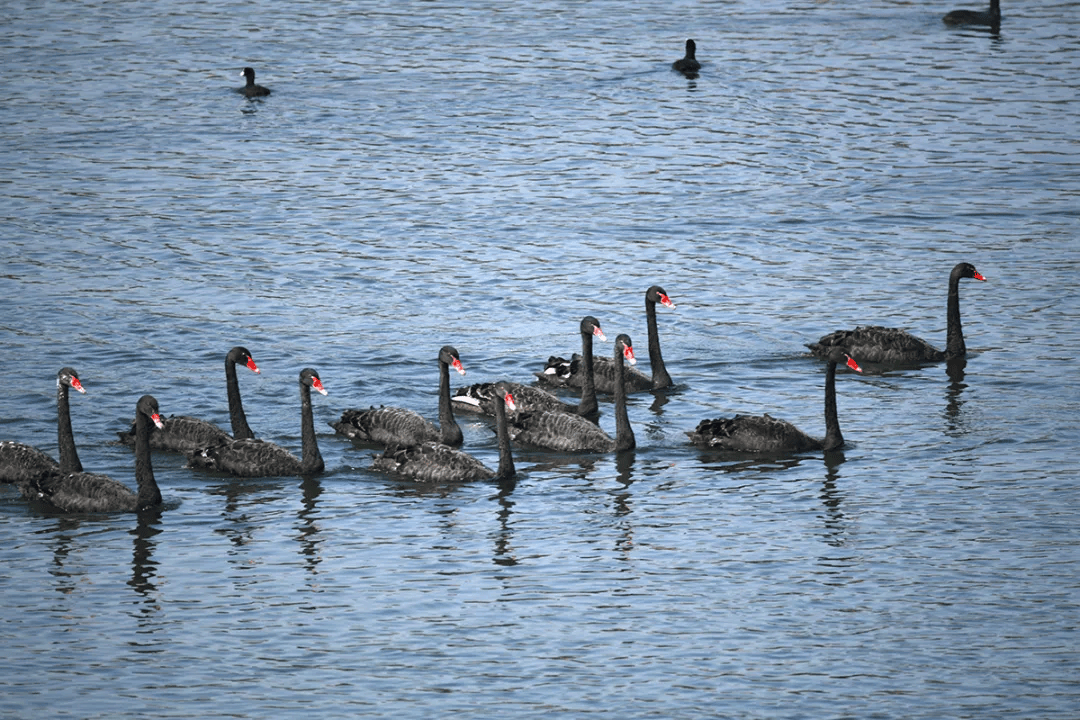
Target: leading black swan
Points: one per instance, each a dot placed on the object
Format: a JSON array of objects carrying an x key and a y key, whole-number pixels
[
  {"x": 765, "y": 434},
  {"x": 20, "y": 463},
  {"x": 91, "y": 493},
  {"x": 688, "y": 64},
  {"x": 257, "y": 458},
  {"x": 390, "y": 426},
  {"x": 183, "y": 433},
  {"x": 438, "y": 463},
  {"x": 572, "y": 433},
  {"x": 251, "y": 89},
  {"x": 558, "y": 371},
  {"x": 890, "y": 346},
  {"x": 991, "y": 16},
  {"x": 481, "y": 397}
]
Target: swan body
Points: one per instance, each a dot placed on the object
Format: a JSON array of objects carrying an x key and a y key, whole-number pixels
[
  {"x": 438, "y": 463},
  {"x": 392, "y": 426},
  {"x": 991, "y": 16},
  {"x": 251, "y": 89},
  {"x": 688, "y": 65},
  {"x": 183, "y": 433},
  {"x": 766, "y": 434},
  {"x": 91, "y": 492},
  {"x": 249, "y": 457},
  {"x": 564, "y": 432},
  {"x": 559, "y": 371},
  {"x": 21, "y": 463},
  {"x": 892, "y": 346},
  {"x": 480, "y": 398}
]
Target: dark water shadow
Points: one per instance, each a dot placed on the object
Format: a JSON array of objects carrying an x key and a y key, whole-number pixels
[
  {"x": 307, "y": 526},
  {"x": 954, "y": 403}
]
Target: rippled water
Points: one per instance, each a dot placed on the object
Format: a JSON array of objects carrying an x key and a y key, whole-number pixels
[{"x": 485, "y": 176}]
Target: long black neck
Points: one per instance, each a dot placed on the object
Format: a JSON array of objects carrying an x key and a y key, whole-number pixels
[
  {"x": 311, "y": 461},
  {"x": 506, "y": 459},
  {"x": 660, "y": 377},
  {"x": 69, "y": 458},
  {"x": 240, "y": 429},
  {"x": 624, "y": 434},
  {"x": 955, "y": 334},
  {"x": 588, "y": 404},
  {"x": 995, "y": 8},
  {"x": 448, "y": 427},
  {"x": 149, "y": 493},
  {"x": 833, "y": 437}
]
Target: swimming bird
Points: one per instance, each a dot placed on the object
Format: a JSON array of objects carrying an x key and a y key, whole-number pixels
[
  {"x": 991, "y": 16},
  {"x": 397, "y": 426},
  {"x": 765, "y": 434},
  {"x": 480, "y": 398},
  {"x": 559, "y": 371},
  {"x": 438, "y": 463},
  {"x": 183, "y": 433},
  {"x": 91, "y": 493},
  {"x": 249, "y": 457},
  {"x": 688, "y": 65},
  {"x": 251, "y": 89},
  {"x": 891, "y": 346},
  {"x": 20, "y": 463},
  {"x": 564, "y": 432}
]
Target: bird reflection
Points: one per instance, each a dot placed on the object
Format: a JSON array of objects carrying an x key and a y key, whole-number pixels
[
  {"x": 143, "y": 565},
  {"x": 504, "y": 537},
  {"x": 954, "y": 420},
  {"x": 65, "y": 535},
  {"x": 835, "y": 526},
  {"x": 624, "y": 463},
  {"x": 308, "y": 527}
]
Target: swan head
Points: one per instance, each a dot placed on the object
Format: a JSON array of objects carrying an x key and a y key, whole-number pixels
[
  {"x": 240, "y": 356},
  {"x": 310, "y": 377},
  {"x": 591, "y": 326},
  {"x": 967, "y": 270},
  {"x": 68, "y": 376},
  {"x": 503, "y": 393},
  {"x": 656, "y": 294},
  {"x": 449, "y": 356},
  {"x": 625, "y": 347},
  {"x": 148, "y": 406}
]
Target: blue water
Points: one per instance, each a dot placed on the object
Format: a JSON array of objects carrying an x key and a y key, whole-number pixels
[{"x": 484, "y": 176}]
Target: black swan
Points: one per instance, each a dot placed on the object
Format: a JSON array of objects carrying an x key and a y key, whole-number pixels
[
  {"x": 890, "y": 346},
  {"x": 251, "y": 89},
  {"x": 438, "y": 463},
  {"x": 572, "y": 433},
  {"x": 20, "y": 463},
  {"x": 480, "y": 398},
  {"x": 558, "y": 371},
  {"x": 764, "y": 434},
  {"x": 688, "y": 65},
  {"x": 391, "y": 426},
  {"x": 991, "y": 17},
  {"x": 184, "y": 433},
  {"x": 90, "y": 493},
  {"x": 249, "y": 457}
]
